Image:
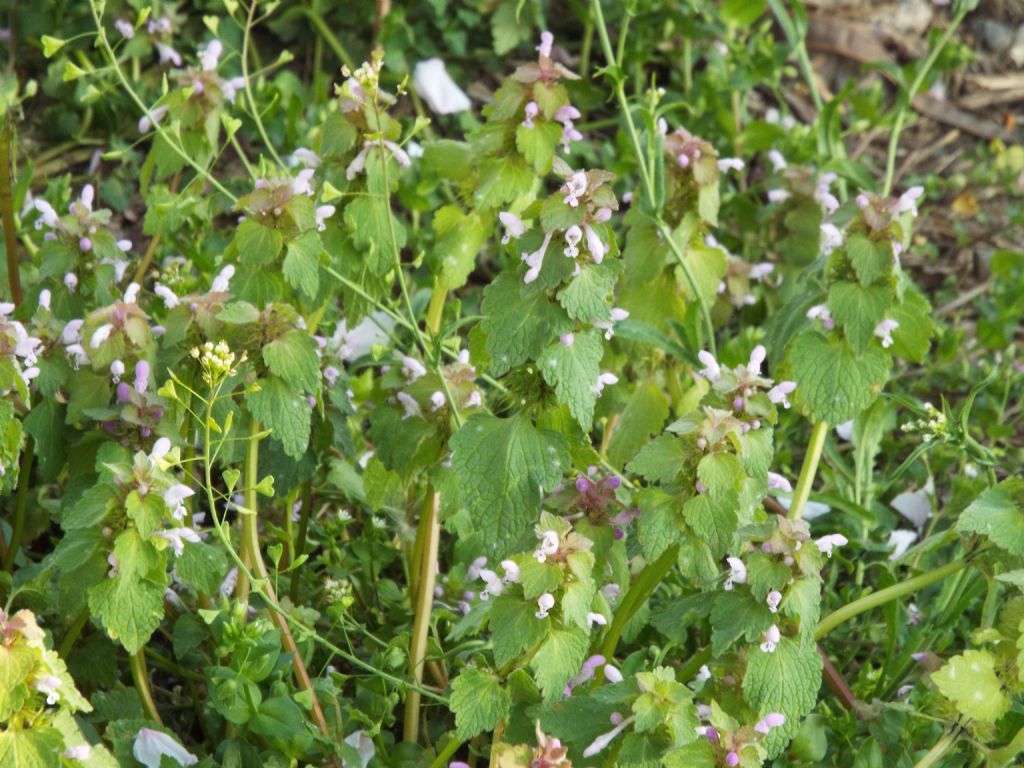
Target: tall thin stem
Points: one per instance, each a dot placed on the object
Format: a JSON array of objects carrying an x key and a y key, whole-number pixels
[
  {"x": 809, "y": 469},
  {"x": 248, "y": 87},
  {"x": 7, "y": 210},
  {"x": 20, "y": 502},
  {"x": 140, "y": 676},
  {"x": 427, "y": 542}
]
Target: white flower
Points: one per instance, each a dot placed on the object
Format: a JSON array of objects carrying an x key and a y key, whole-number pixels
[
  {"x": 884, "y": 331},
  {"x": 573, "y": 235},
  {"x": 820, "y": 312},
  {"x": 914, "y": 506},
  {"x": 548, "y": 546},
  {"x": 301, "y": 184},
  {"x": 544, "y": 604},
  {"x": 175, "y": 496},
  {"x": 612, "y": 674},
  {"x": 100, "y": 335},
  {"x": 773, "y": 599},
  {"x": 605, "y": 379},
  {"x": 49, "y": 686},
  {"x": 363, "y": 745},
  {"x": 71, "y": 281},
  {"x": 473, "y": 572},
  {"x": 831, "y": 238},
  {"x": 177, "y": 537},
  {"x": 776, "y": 159},
  {"x": 306, "y": 157},
  {"x": 436, "y": 87},
  {"x": 778, "y": 482},
  {"x": 44, "y": 299},
  {"x": 514, "y": 227},
  {"x": 131, "y": 293},
  {"x": 546, "y": 41},
  {"x": 771, "y": 638},
  {"x": 737, "y": 573},
  {"x": 409, "y": 404},
  {"x": 535, "y": 260},
  {"x": 769, "y": 721},
  {"x": 595, "y": 245},
  {"x": 323, "y": 212},
  {"x": 511, "y": 572},
  {"x": 730, "y": 164},
  {"x": 826, "y": 543},
  {"x": 602, "y": 741},
  {"x": 530, "y": 111},
  {"x": 49, "y": 216},
  {"x": 761, "y": 271},
  {"x": 495, "y": 586},
  {"x": 711, "y": 371},
  {"x": 575, "y": 187},
  {"x": 778, "y": 393},
  {"x": 210, "y": 55},
  {"x": 412, "y": 369},
  {"x": 116, "y": 370},
  {"x": 371, "y": 331},
  {"x": 812, "y": 509},
  {"x": 908, "y": 200},
  {"x": 567, "y": 339},
  {"x": 844, "y": 431},
  {"x": 757, "y": 356},
  {"x": 150, "y": 746},
  {"x": 169, "y": 297},
  {"x": 437, "y": 401},
  {"x": 595, "y": 618},
  {"x": 223, "y": 279},
  {"x": 777, "y": 195},
  {"x": 168, "y": 54},
  {"x": 900, "y": 541},
  {"x": 124, "y": 28},
  {"x": 79, "y": 751},
  {"x": 157, "y": 114}
]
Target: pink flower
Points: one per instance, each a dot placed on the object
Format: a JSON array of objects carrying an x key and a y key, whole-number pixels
[
  {"x": 546, "y": 41},
  {"x": 530, "y": 111},
  {"x": 769, "y": 721},
  {"x": 575, "y": 187}
]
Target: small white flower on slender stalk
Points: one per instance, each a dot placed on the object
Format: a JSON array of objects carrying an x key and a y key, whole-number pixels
[
  {"x": 771, "y": 638},
  {"x": 605, "y": 379},
  {"x": 435, "y": 86},
  {"x": 575, "y": 188},
  {"x": 761, "y": 271},
  {"x": 323, "y": 213},
  {"x": 151, "y": 746},
  {"x": 174, "y": 497},
  {"x": 779, "y": 393},
  {"x": 511, "y": 572},
  {"x": 412, "y": 369},
  {"x": 49, "y": 685},
  {"x": 773, "y": 599},
  {"x": 827, "y": 543},
  {"x": 726, "y": 164},
  {"x": 595, "y": 618},
  {"x": 548, "y": 546},
  {"x": 544, "y": 604},
  {"x": 514, "y": 227},
  {"x": 779, "y": 483},
  {"x": 573, "y": 235},
  {"x": 601, "y": 742},
  {"x": 711, "y": 371},
  {"x": 884, "y": 331},
  {"x": 737, "y": 573},
  {"x": 100, "y": 335},
  {"x": 769, "y": 721},
  {"x": 820, "y": 312},
  {"x": 177, "y": 537},
  {"x": 409, "y": 404}
]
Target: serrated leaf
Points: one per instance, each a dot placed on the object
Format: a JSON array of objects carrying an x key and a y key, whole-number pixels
[
  {"x": 870, "y": 259},
  {"x": 37, "y": 747},
  {"x": 588, "y": 296},
  {"x": 714, "y": 520},
  {"x": 857, "y": 310},
  {"x": 502, "y": 181},
  {"x": 912, "y": 339},
  {"x": 785, "y": 681},
  {"x": 537, "y": 144},
  {"x": 293, "y": 357},
  {"x": 503, "y": 468},
  {"x": 558, "y": 659},
  {"x": 660, "y": 460},
  {"x": 366, "y": 218},
  {"x": 478, "y": 701},
  {"x": 737, "y": 614},
  {"x": 644, "y": 415},
  {"x": 833, "y": 383},
  {"x": 284, "y": 411},
  {"x": 518, "y": 328},
  {"x": 573, "y": 370},
  {"x": 301, "y": 267},
  {"x": 257, "y": 245},
  {"x": 998, "y": 513},
  {"x": 970, "y": 682},
  {"x": 460, "y": 236},
  {"x": 129, "y": 608},
  {"x": 720, "y": 473}
]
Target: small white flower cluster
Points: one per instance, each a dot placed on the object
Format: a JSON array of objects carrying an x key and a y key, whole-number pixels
[
  {"x": 217, "y": 360},
  {"x": 934, "y": 424},
  {"x": 21, "y": 348}
]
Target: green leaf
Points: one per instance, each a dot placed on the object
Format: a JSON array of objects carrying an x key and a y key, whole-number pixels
[
  {"x": 912, "y": 339},
  {"x": 129, "y": 608},
  {"x": 37, "y": 747},
  {"x": 301, "y": 267},
  {"x": 503, "y": 468},
  {"x": 971, "y": 683},
  {"x": 588, "y": 296},
  {"x": 257, "y": 244},
  {"x": 518, "y": 328},
  {"x": 573, "y": 370},
  {"x": 201, "y": 566},
  {"x": 720, "y": 473},
  {"x": 857, "y": 310},
  {"x": 238, "y": 313},
  {"x": 17, "y": 661},
  {"x": 742, "y": 13},
  {"x": 998, "y": 513},
  {"x": 537, "y": 144},
  {"x": 460, "y": 237},
  {"x": 367, "y": 219},
  {"x": 714, "y": 520},
  {"x": 644, "y": 415},
  {"x": 833, "y": 383},
  {"x": 660, "y": 523},
  {"x": 502, "y": 181},
  {"x": 871, "y": 260},
  {"x": 558, "y": 659},
  {"x": 292, "y": 356},
  {"x": 89, "y": 509},
  {"x": 707, "y": 265},
  {"x": 478, "y": 701},
  {"x": 661, "y": 460},
  {"x": 514, "y": 628},
  {"x": 337, "y": 136},
  {"x": 449, "y": 159},
  {"x": 556, "y": 214},
  {"x": 787, "y": 681},
  {"x": 284, "y": 411},
  {"x": 737, "y": 614}
]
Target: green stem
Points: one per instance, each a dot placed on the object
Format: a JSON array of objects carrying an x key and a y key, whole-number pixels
[
  {"x": 250, "y": 533},
  {"x": 248, "y": 91},
  {"x": 908, "y": 97},
  {"x": 435, "y": 310},
  {"x": 688, "y": 670},
  {"x": 645, "y": 173},
  {"x": 21, "y": 501},
  {"x": 140, "y": 676},
  {"x": 332, "y": 41},
  {"x": 427, "y": 544},
  {"x": 7, "y": 210},
  {"x": 809, "y": 469},
  {"x": 299, "y": 547},
  {"x": 642, "y": 588},
  {"x": 883, "y": 596},
  {"x": 73, "y": 632},
  {"x": 938, "y": 752},
  {"x": 441, "y": 761}
]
